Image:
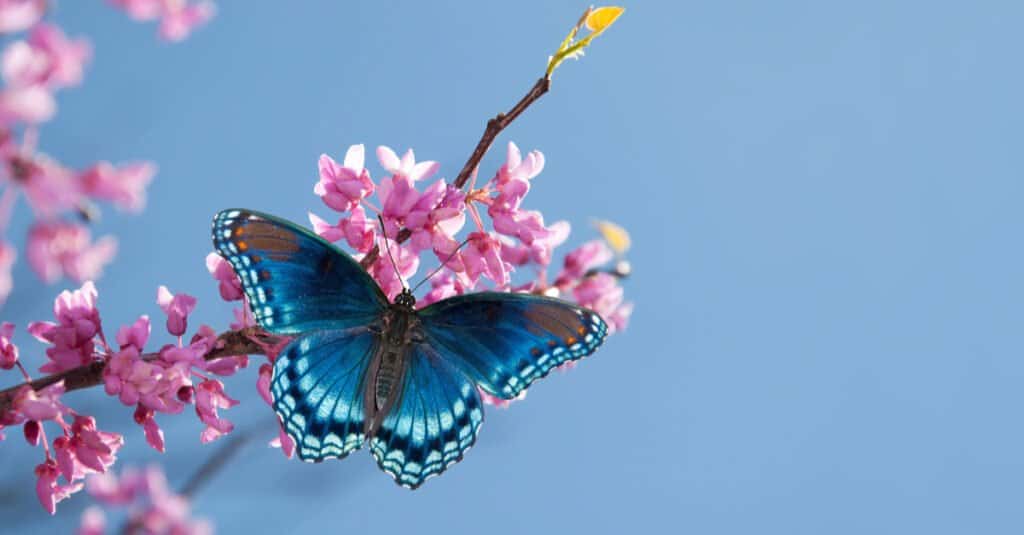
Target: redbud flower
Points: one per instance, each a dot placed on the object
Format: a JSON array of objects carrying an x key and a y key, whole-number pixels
[
  {"x": 227, "y": 282},
  {"x": 602, "y": 294},
  {"x": 60, "y": 248},
  {"x": 32, "y": 104},
  {"x": 78, "y": 322},
  {"x": 406, "y": 167},
  {"x": 18, "y": 15},
  {"x": 8, "y": 351},
  {"x": 125, "y": 186},
  {"x": 342, "y": 187},
  {"x": 94, "y": 522},
  {"x": 582, "y": 259},
  {"x": 48, "y": 58},
  {"x": 154, "y": 435},
  {"x": 481, "y": 257},
  {"x": 39, "y": 405},
  {"x": 7, "y": 256},
  {"x": 177, "y": 307},
  {"x": 135, "y": 334},
  {"x": 180, "y": 18},
  {"x": 210, "y": 396},
  {"x": 47, "y": 489},
  {"x": 384, "y": 273}
]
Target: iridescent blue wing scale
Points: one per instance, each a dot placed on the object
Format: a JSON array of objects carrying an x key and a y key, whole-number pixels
[
  {"x": 506, "y": 341},
  {"x": 432, "y": 424},
  {"x": 295, "y": 281},
  {"x": 318, "y": 386}
]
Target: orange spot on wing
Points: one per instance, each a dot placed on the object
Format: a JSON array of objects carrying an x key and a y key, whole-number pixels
[
  {"x": 570, "y": 340},
  {"x": 239, "y": 231},
  {"x": 264, "y": 274},
  {"x": 536, "y": 352},
  {"x": 255, "y": 258},
  {"x": 242, "y": 246},
  {"x": 552, "y": 343},
  {"x": 582, "y": 330}
]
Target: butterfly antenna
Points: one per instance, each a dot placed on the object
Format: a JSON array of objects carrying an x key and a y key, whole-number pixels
[
  {"x": 387, "y": 247},
  {"x": 443, "y": 264}
]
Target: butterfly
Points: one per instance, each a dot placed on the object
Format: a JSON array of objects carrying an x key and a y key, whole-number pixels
[{"x": 361, "y": 369}]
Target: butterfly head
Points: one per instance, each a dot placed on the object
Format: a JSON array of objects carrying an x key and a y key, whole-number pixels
[{"x": 406, "y": 299}]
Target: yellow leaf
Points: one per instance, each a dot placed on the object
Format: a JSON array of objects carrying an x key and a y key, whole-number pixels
[
  {"x": 603, "y": 17},
  {"x": 616, "y": 236}
]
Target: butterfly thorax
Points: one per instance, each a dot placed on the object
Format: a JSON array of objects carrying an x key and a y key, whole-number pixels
[{"x": 398, "y": 330}]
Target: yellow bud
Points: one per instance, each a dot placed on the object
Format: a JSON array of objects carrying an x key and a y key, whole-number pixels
[
  {"x": 616, "y": 236},
  {"x": 603, "y": 17}
]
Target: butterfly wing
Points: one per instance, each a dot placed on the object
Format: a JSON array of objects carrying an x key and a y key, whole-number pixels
[
  {"x": 318, "y": 387},
  {"x": 433, "y": 422},
  {"x": 295, "y": 280},
  {"x": 506, "y": 341}
]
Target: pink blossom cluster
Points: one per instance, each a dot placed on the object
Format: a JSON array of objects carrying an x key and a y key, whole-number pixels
[
  {"x": 152, "y": 506},
  {"x": 164, "y": 381},
  {"x": 519, "y": 237},
  {"x": 177, "y": 18},
  {"x": 78, "y": 450}
]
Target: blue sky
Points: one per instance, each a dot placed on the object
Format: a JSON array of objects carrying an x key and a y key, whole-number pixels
[{"x": 824, "y": 201}]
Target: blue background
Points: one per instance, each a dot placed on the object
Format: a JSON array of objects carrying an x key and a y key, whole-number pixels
[{"x": 825, "y": 204}]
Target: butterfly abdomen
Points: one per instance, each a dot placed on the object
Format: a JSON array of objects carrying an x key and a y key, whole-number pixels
[{"x": 387, "y": 371}]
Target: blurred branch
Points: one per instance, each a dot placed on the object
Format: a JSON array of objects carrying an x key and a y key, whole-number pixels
[{"x": 247, "y": 341}]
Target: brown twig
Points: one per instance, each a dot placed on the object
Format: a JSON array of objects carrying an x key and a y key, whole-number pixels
[
  {"x": 240, "y": 342},
  {"x": 494, "y": 127}
]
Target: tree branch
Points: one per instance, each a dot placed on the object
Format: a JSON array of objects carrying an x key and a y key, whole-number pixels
[
  {"x": 230, "y": 343},
  {"x": 494, "y": 127}
]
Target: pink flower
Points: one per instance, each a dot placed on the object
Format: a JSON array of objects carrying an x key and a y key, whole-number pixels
[
  {"x": 602, "y": 294},
  {"x": 384, "y": 273},
  {"x": 443, "y": 286},
  {"x": 47, "y": 489},
  {"x": 358, "y": 231},
  {"x": 59, "y": 248},
  {"x": 582, "y": 259},
  {"x": 125, "y": 186},
  {"x": 8, "y": 351},
  {"x": 7, "y": 256},
  {"x": 177, "y": 307},
  {"x": 406, "y": 167},
  {"x": 31, "y": 104},
  {"x": 227, "y": 282},
  {"x": 87, "y": 450},
  {"x": 18, "y": 15},
  {"x": 284, "y": 442},
  {"x": 481, "y": 256},
  {"x": 154, "y": 384},
  {"x": 154, "y": 508},
  {"x": 48, "y": 58},
  {"x": 342, "y": 187},
  {"x": 180, "y": 18},
  {"x": 141, "y": 10},
  {"x": 78, "y": 322},
  {"x": 134, "y": 335},
  {"x": 154, "y": 435},
  {"x": 40, "y": 405},
  {"x": 436, "y": 217},
  {"x": 210, "y": 396}
]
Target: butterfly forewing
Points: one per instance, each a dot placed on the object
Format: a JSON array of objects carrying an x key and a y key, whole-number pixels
[{"x": 294, "y": 280}]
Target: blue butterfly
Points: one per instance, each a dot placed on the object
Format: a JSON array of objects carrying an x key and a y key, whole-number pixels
[{"x": 362, "y": 369}]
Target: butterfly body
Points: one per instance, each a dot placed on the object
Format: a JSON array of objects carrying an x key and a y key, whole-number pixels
[{"x": 363, "y": 370}]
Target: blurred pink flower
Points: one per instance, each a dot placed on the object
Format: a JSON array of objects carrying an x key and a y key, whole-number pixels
[
  {"x": 18, "y": 15},
  {"x": 8, "y": 351},
  {"x": 47, "y": 489},
  {"x": 582, "y": 259},
  {"x": 227, "y": 282},
  {"x": 125, "y": 186},
  {"x": 47, "y": 58},
  {"x": 499, "y": 402},
  {"x": 342, "y": 187},
  {"x": 152, "y": 506},
  {"x": 7, "y": 256},
  {"x": 93, "y": 522},
  {"x": 60, "y": 248},
  {"x": 177, "y": 307},
  {"x": 49, "y": 187},
  {"x": 86, "y": 450},
  {"x": 141, "y": 10},
  {"x": 210, "y": 396},
  {"x": 134, "y": 335},
  {"x": 180, "y": 18},
  {"x": 32, "y": 104}
]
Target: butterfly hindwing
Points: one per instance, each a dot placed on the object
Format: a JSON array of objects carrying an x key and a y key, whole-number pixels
[
  {"x": 318, "y": 385},
  {"x": 295, "y": 281},
  {"x": 506, "y": 341},
  {"x": 432, "y": 424}
]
